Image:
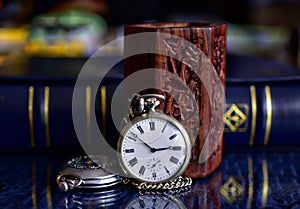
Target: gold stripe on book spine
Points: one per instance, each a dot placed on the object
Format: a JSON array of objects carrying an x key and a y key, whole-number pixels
[
  {"x": 269, "y": 114},
  {"x": 103, "y": 110},
  {"x": 46, "y": 114},
  {"x": 254, "y": 114},
  {"x": 30, "y": 115},
  {"x": 88, "y": 113}
]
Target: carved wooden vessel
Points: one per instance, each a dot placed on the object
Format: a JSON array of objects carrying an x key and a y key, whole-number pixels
[{"x": 211, "y": 40}]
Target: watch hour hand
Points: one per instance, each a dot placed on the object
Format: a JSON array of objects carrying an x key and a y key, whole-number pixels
[
  {"x": 160, "y": 149},
  {"x": 174, "y": 148}
]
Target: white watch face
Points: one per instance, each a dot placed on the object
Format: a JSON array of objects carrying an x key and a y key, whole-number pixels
[{"x": 155, "y": 149}]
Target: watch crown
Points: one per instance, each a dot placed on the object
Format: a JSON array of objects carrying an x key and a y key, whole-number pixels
[
  {"x": 63, "y": 186},
  {"x": 140, "y": 104}
]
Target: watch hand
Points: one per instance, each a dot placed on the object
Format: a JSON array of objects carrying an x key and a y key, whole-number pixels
[
  {"x": 147, "y": 145},
  {"x": 174, "y": 148},
  {"x": 155, "y": 164},
  {"x": 134, "y": 135},
  {"x": 159, "y": 149}
]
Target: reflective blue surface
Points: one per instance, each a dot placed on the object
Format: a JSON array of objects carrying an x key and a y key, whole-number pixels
[{"x": 246, "y": 179}]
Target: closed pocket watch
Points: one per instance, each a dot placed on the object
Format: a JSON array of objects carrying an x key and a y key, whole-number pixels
[
  {"x": 154, "y": 148},
  {"x": 86, "y": 172}
]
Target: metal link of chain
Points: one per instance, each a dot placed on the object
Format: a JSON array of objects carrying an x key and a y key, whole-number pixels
[
  {"x": 177, "y": 183},
  {"x": 174, "y": 192}
]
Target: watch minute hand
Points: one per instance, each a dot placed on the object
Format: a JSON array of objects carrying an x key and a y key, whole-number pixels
[{"x": 151, "y": 148}]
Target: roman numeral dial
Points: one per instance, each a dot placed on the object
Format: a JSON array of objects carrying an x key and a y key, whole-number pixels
[{"x": 154, "y": 149}]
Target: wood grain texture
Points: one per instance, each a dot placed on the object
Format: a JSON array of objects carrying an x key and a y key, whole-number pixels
[{"x": 211, "y": 40}]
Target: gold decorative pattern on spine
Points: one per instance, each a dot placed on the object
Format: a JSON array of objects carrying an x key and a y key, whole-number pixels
[
  {"x": 254, "y": 114},
  {"x": 49, "y": 195},
  {"x": 30, "y": 115},
  {"x": 88, "y": 113},
  {"x": 269, "y": 114},
  {"x": 265, "y": 182},
  {"x": 236, "y": 117},
  {"x": 46, "y": 114},
  {"x": 33, "y": 189},
  {"x": 103, "y": 110},
  {"x": 250, "y": 179}
]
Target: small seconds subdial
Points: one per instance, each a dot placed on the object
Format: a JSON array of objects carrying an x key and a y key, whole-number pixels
[{"x": 154, "y": 165}]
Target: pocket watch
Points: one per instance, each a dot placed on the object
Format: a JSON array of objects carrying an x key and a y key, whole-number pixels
[
  {"x": 86, "y": 172},
  {"x": 154, "y": 148}
]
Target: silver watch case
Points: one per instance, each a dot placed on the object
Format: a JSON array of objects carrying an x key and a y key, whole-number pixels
[{"x": 89, "y": 178}]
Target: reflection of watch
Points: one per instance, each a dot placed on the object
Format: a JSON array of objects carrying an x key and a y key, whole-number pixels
[
  {"x": 86, "y": 172},
  {"x": 93, "y": 198},
  {"x": 156, "y": 202},
  {"x": 154, "y": 147}
]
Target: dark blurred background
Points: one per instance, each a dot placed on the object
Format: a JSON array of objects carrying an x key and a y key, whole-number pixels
[
  {"x": 267, "y": 28},
  {"x": 273, "y": 12}
]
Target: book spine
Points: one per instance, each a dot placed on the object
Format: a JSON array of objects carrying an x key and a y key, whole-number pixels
[
  {"x": 36, "y": 116},
  {"x": 262, "y": 113},
  {"x": 39, "y": 115}
]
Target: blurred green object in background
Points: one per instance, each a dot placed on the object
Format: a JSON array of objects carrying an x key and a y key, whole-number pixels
[{"x": 72, "y": 33}]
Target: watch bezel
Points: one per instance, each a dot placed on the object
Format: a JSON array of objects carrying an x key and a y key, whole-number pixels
[{"x": 169, "y": 119}]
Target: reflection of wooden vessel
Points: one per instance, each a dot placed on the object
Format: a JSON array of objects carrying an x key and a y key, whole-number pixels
[{"x": 205, "y": 193}]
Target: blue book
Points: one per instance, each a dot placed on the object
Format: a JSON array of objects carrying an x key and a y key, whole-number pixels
[{"x": 262, "y": 104}]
